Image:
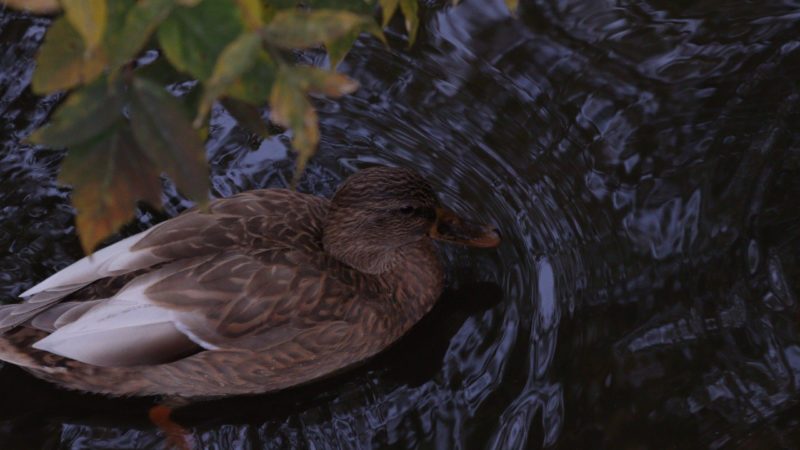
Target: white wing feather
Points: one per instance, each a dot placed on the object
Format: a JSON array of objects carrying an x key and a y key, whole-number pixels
[
  {"x": 126, "y": 329},
  {"x": 115, "y": 259}
]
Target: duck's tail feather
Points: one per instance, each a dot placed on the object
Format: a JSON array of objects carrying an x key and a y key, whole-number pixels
[
  {"x": 10, "y": 352},
  {"x": 62, "y": 314},
  {"x": 14, "y": 315}
]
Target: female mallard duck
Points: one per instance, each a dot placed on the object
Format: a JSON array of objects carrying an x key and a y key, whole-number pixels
[{"x": 261, "y": 291}]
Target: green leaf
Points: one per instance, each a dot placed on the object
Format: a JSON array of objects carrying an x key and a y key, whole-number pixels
[
  {"x": 194, "y": 38},
  {"x": 409, "y": 8},
  {"x": 357, "y": 6},
  {"x": 63, "y": 61},
  {"x": 388, "y": 7},
  {"x": 116, "y": 14},
  {"x": 291, "y": 108},
  {"x": 162, "y": 72},
  {"x": 254, "y": 85},
  {"x": 162, "y": 129},
  {"x": 88, "y": 17},
  {"x": 338, "y": 48},
  {"x": 247, "y": 115},
  {"x": 108, "y": 176},
  {"x": 34, "y": 6},
  {"x": 239, "y": 56},
  {"x": 140, "y": 23},
  {"x": 281, "y": 4},
  {"x": 85, "y": 114},
  {"x": 303, "y": 29}
]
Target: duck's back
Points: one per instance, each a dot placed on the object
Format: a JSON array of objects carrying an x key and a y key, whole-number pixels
[
  {"x": 113, "y": 294},
  {"x": 238, "y": 298},
  {"x": 266, "y": 218}
]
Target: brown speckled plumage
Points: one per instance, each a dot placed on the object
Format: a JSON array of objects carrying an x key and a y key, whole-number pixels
[{"x": 262, "y": 291}]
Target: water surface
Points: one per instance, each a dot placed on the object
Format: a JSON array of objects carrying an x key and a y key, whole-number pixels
[{"x": 642, "y": 161}]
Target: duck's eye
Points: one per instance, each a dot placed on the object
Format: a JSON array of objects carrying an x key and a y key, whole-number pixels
[
  {"x": 407, "y": 210},
  {"x": 427, "y": 213}
]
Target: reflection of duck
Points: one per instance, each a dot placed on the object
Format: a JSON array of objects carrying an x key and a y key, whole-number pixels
[{"x": 261, "y": 291}]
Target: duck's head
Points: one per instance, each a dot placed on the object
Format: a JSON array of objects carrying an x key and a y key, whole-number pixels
[{"x": 380, "y": 210}]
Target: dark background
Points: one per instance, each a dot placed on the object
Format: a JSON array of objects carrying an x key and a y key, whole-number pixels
[{"x": 642, "y": 161}]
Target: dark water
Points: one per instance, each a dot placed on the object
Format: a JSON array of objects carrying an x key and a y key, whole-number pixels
[{"x": 642, "y": 161}]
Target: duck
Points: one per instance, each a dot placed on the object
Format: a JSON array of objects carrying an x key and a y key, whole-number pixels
[{"x": 254, "y": 293}]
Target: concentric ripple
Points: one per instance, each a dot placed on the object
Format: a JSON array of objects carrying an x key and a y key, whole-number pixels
[{"x": 641, "y": 159}]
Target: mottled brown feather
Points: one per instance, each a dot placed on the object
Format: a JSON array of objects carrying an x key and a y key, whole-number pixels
[{"x": 250, "y": 279}]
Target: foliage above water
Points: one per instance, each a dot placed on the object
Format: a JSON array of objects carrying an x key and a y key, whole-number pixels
[{"x": 122, "y": 122}]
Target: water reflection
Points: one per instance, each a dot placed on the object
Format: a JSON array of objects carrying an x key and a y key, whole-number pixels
[{"x": 641, "y": 158}]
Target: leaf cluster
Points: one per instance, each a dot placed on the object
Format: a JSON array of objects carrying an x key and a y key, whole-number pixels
[{"x": 122, "y": 59}]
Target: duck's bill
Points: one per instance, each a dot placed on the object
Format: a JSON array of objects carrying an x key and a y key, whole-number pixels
[{"x": 451, "y": 228}]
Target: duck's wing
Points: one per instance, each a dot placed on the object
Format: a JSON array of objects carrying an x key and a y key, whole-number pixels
[
  {"x": 230, "y": 301},
  {"x": 232, "y": 222},
  {"x": 116, "y": 259}
]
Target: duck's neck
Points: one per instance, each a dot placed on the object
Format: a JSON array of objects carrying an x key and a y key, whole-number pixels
[
  {"x": 416, "y": 279},
  {"x": 362, "y": 256}
]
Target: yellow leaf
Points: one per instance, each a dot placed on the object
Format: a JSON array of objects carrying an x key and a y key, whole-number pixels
[
  {"x": 323, "y": 82},
  {"x": 303, "y": 29},
  {"x": 63, "y": 61},
  {"x": 88, "y": 17},
  {"x": 409, "y": 8},
  {"x": 34, "y": 6},
  {"x": 389, "y": 7},
  {"x": 252, "y": 13},
  {"x": 512, "y": 5},
  {"x": 289, "y": 106}
]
